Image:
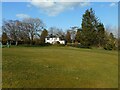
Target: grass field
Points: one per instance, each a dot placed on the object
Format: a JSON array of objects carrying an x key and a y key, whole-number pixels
[{"x": 55, "y": 67}]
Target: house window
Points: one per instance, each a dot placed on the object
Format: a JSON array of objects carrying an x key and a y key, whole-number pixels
[{"x": 47, "y": 38}]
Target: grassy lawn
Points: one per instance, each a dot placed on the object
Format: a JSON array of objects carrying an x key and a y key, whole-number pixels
[{"x": 53, "y": 67}]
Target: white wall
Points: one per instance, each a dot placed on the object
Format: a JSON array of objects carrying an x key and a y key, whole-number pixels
[{"x": 54, "y": 40}]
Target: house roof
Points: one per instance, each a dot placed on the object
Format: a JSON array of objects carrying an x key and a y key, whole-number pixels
[
  {"x": 52, "y": 36},
  {"x": 55, "y": 36}
]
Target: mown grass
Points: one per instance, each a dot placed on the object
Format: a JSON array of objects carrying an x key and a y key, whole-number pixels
[{"x": 55, "y": 67}]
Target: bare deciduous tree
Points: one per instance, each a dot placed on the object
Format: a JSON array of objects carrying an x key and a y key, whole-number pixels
[
  {"x": 33, "y": 25},
  {"x": 11, "y": 28}
]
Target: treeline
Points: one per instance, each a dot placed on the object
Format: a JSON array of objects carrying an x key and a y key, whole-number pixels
[
  {"x": 93, "y": 33},
  {"x": 32, "y": 31},
  {"x": 25, "y": 31}
]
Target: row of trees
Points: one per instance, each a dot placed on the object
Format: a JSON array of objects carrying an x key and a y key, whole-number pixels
[
  {"x": 32, "y": 31},
  {"x": 93, "y": 33},
  {"x": 25, "y": 31},
  {"x": 28, "y": 31}
]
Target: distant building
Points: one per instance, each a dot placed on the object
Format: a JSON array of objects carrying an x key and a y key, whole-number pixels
[{"x": 52, "y": 39}]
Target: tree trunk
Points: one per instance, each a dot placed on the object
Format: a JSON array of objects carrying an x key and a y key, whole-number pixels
[{"x": 16, "y": 43}]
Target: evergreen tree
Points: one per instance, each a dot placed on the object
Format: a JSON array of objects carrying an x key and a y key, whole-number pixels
[
  {"x": 68, "y": 37},
  {"x": 4, "y": 38},
  {"x": 110, "y": 42},
  {"x": 89, "y": 28},
  {"x": 43, "y": 35},
  {"x": 78, "y": 36},
  {"x": 118, "y": 43},
  {"x": 101, "y": 35}
]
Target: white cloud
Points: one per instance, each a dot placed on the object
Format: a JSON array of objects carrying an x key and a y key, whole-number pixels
[
  {"x": 62, "y": 0},
  {"x": 52, "y": 8},
  {"x": 84, "y": 4},
  {"x": 112, "y": 4},
  {"x": 22, "y": 16}
]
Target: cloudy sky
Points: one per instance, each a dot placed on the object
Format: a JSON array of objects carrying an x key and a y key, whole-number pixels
[{"x": 61, "y": 14}]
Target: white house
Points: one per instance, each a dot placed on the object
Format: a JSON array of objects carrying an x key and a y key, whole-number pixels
[{"x": 54, "y": 39}]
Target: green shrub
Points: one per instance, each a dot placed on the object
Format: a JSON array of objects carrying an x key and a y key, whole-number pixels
[{"x": 108, "y": 47}]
